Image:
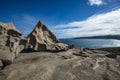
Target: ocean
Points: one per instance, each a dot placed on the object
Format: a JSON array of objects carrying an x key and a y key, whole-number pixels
[{"x": 92, "y": 43}]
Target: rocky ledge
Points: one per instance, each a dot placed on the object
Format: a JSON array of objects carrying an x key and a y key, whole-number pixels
[{"x": 41, "y": 56}]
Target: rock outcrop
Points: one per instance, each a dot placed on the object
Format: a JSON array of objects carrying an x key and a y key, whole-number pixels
[
  {"x": 10, "y": 39},
  {"x": 9, "y": 29},
  {"x": 69, "y": 63},
  {"x": 42, "y": 39},
  {"x": 49, "y": 66}
]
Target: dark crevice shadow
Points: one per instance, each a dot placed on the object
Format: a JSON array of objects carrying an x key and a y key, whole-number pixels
[
  {"x": 111, "y": 56},
  {"x": 29, "y": 50},
  {"x": 5, "y": 63}
]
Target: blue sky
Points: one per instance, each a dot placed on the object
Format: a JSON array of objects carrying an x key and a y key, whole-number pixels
[{"x": 66, "y": 18}]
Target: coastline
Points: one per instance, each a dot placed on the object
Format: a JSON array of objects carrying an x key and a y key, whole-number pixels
[{"x": 114, "y": 50}]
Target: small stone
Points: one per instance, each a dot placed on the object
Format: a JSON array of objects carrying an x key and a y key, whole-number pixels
[
  {"x": 85, "y": 55},
  {"x": 67, "y": 56}
]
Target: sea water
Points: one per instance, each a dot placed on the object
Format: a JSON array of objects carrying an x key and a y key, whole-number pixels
[{"x": 92, "y": 43}]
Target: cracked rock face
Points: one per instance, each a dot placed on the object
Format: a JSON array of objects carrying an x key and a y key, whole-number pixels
[{"x": 41, "y": 39}]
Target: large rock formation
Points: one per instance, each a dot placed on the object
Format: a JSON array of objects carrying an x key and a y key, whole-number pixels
[
  {"x": 72, "y": 64},
  {"x": 10, "y": 39},
  {"x": 42, "y": 39}
]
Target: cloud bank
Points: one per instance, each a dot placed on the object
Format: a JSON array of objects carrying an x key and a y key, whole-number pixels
[
  {"x": 96, "y": 2},
  {"x": 100, "y": 24}
]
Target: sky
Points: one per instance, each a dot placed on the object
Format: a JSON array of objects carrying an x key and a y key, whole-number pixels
[{"x": 65, "y": 18}]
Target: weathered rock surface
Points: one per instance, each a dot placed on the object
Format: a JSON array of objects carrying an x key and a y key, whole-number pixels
[
  {"x": 10, "y": 39},
  {"x": 70, "y": 64},
  {"x": 9, "y": 29},
  {"x": 12, "y": 42},
  {"x": 42, "y": 39},
  {"x": 49, "y": 66}
]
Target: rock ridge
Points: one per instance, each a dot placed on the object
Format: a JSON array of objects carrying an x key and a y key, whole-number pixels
[{"x": 41, "y": 38}]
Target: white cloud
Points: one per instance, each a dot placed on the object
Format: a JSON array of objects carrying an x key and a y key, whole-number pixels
[
  {"x": 96, "y": 2},
  {"x": 99, "y": 24}
]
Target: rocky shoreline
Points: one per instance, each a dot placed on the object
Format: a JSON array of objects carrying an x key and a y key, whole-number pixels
[{"x": 41, "y": 56}]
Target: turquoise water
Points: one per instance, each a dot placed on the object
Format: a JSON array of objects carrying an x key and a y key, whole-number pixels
[{"x": 92, "y": 43}]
